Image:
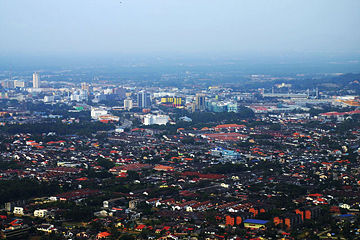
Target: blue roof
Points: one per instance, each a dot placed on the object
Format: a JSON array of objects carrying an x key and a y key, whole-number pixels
[
  {"x": 346, "y": 215},
  {"x": 256, "y": 221}
]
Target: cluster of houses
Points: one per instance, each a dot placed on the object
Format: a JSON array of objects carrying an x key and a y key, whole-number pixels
[{"x": 274, "y": 173}]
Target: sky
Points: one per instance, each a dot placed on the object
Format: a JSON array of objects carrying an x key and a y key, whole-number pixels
[{"x": 61, "y": 27}]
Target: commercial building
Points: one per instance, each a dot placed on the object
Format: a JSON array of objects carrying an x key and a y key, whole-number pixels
[
  {"x": 128, "y": 104},
  {"x": 7, "y": 84},
  {"x": 226, "y": 155},
  {"x": 36, "y": 80},
  {"x": 79, "y": 96},
  {"x": 151, "y": 119},
  {"x": 175, "y": 101},
  {"x": 85, "y": 86},
  {"x": 97, "y": 112},
  {"x": 19, "y": 83},
  {"x": 18, "y": 210},
  {"x": 200, "y": 103},
  {"x": 40, "y": 213},
  {"x": 48, "y": 99},
  {"x": 143, "y": 99},
  {"x": 255, "y": 224}
]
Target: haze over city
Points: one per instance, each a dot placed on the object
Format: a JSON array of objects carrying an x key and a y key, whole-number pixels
[
  {"x": 179, "y": 119},
  {"x": 41, "y": 27}
]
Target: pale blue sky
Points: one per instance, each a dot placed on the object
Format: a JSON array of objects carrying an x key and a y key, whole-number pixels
[{"x": 178, "y": 26}]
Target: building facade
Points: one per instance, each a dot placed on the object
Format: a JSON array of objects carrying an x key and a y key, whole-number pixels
[{"x": 36, "y": 80}]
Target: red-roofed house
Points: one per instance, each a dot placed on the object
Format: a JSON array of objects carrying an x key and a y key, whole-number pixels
[
  {"x": 163, "y": 168},
  {"x": 103, "y": 235}
]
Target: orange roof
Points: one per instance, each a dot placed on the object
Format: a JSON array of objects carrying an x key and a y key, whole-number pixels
[
  {"x": 163, "y": 168},
  {"x": 103, "y": 235},
  {"x": 315, "y": 195},
  {"x": 225, "y": 136},
  {"x": 82, "y": 179},
  {"x": 230, "y": 126},
  {"x": 137, "y": 129},
  {"x": 53, "y": 142}
]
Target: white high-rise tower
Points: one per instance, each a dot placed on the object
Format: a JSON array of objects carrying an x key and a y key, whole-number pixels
[{"x": 36, "y": 80}]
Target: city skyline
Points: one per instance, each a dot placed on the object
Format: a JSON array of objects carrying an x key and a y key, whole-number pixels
[{"x": 179, "y": 119}]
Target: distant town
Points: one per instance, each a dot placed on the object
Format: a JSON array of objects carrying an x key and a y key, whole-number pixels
[{"x": 186, "y": 156}]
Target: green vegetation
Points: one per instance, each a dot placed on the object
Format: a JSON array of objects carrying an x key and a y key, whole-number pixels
[
  {"x": 4, "y": 165},
  {"x": 85, "y": 128},
  {"x": 11, "y": 190},
  {"x": 226, "y": 168},
  {"x": 226, "y": 117},
  {"x": 105, "y": 163}
]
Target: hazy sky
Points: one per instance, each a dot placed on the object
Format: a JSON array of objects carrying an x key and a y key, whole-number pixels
[{"x": 179, "y": 26}]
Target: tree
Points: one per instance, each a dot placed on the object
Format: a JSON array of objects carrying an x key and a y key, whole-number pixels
[
  {"x": 127, "y": 237},
  {"x": 105, "y": 163}
]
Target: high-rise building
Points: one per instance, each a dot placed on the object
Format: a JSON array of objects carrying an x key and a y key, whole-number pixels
[
  {"x": 79, "y": 96},
  {"x": 85, "y": 86},
  {"x": 143, "y": 99},
  {"x": 12, "y": 84},
  {"x": 128, "y": 104},
  {"x": 36, "y": 80},
  {"x": 19, "y": 83},
  {"x": 120, "y": 93},
  {"x": 7, "y": 84},
  {"x": 200, "y": 103},
  {"x": 175, "y": 101}
]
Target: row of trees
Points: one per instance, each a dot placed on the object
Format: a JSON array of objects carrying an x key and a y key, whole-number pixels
[
  {"x": 82, "y": 128},
  {"x": 11, "y": 190}
]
